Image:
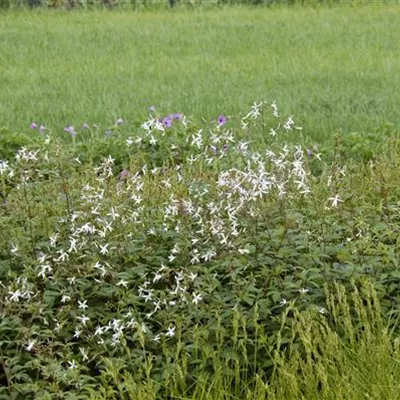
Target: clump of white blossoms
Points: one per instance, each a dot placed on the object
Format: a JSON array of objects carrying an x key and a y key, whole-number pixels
[{"x": 133, "y": 248}]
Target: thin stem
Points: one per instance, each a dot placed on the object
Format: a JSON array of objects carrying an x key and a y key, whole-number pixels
[{"x": 29, "y": 217}]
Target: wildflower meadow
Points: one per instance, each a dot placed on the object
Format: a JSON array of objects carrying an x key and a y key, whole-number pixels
[{"x": 224, "y": 256}]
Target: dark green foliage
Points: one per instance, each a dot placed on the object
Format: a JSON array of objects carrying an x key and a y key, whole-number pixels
[{"x": 10, "y": 142}]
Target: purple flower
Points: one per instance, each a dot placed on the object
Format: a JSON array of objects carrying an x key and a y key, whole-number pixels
[
  {"x": 225, "y": 148},
  {"x": 119, "y": 121},
  {"x": 42, "y": 128},
  {"x": 71, "y": 130},
  {"x": 309, "y": 152},
  {"x": 222, "y": 120},
  {"x": 177, "y": 116},
  {"x": 123, "y": 174},
  {"x": 33, "y": 125},
  {"x": 167, "y": 122},
  {"x": 85, "y": 126}
]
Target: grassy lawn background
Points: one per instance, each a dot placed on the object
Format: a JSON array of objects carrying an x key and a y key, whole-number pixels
[{"x": 330, "y": 67}]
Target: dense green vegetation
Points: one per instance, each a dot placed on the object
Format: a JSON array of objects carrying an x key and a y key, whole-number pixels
[
  {"x": 207, "y": 247},
  {"x": 181, "y": 260}
]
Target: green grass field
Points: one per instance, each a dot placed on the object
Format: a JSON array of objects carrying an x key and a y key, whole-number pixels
[{"x": 331, "y": 67}]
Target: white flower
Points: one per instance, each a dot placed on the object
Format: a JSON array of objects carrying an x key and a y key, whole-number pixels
[
  {"x": 94, "y": 211},
  {"x": 53, "y": 240},
  {"x": 274, "y": 107},
  {"x": 255, "y": 111},
  {"x": 113, "y": 214},
  {"x": 157, "y": 338},
  {"x": 14, "y": 296},
  {"x": 42, "y": 258},
  {"x": 97, "y": 265},
  {"x": 99, "y": 331},
  {"x": 176, "y": 249},
  {"x": 283, "y": 302},
  {"x": 73, "y": 243},
  {"x": 14, "y": 249},
  {"x": 288, "y": 124},
  {"x": 3, "y": 166},
  {"x": 156, "y": 306},
  {"x": 132, "y": 323},
  {"x": 82, "y": 305},
  {"x": 196, "y": 298},
  {"x": 209, "y": 255},
  {"x": 71, "y": 280},
  {"x": 30, "y": 345},
  {"x": 83, "y": 319},
  {"x": 195, "y": 258},
  {"x": 43, "y": 270},
  {"x": 103, "y": 249},
  {"x": 152, "y": 140},
  {"x": 192, "y": 159},
  {"x": 84, "y": 354},
  {"x": 171, "y": 331},
  {"x": 63, "y": 256},
  {"x": 72, "y": 365},
  {"x": 192, "y": 276},
  {"x": 157, "y": 277},
  {"x": 123, "y": 283},
  {"x": 335, "y": 200},
  {"x": 65, "y": 298}
]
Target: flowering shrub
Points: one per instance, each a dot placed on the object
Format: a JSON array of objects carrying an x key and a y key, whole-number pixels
[{"x": 190, "y": 230}]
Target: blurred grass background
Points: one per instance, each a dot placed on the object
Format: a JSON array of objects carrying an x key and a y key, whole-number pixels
[{"x": 332, "y": 67}]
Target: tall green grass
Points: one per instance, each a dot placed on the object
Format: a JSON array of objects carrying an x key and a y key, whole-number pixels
[
  {"x": 332, "y": 67},
  {"x": 352, "y": 354},
  {"x": 349, "y": 353}
]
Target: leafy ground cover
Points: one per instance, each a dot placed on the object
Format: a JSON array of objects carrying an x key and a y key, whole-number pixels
[
  {"x": 188, "y": 261},
  {"x": 332, "y": 67}
]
